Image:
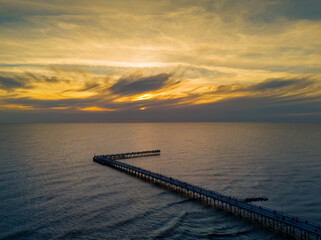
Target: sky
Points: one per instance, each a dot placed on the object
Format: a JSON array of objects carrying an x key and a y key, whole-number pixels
[{"x": 155, "y": 61}]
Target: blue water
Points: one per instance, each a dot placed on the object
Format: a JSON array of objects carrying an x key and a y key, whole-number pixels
[{"x": 51, "y": 189}]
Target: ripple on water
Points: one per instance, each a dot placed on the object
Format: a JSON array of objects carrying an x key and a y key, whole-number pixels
[{"x": 51, "y": 189}]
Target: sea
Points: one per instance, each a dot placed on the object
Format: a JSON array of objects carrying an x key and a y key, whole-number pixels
[{"x": 50, "y": 188}]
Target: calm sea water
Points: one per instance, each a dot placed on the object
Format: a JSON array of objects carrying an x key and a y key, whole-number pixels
[{"x": 51, "y": 189}]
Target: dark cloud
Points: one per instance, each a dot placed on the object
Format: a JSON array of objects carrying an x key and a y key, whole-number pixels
[
  {"x": 295, "y": 9},
  {"x": 137, "y": 84},
  {"x": 274, "y": 84},
  {"x": 271, "y": 100},
  {"x": 96, "y": 101},
  {"x": 277, "y": 85},
  {"x": 247, "y": 109},
  {"x": 11, "y": 82}
]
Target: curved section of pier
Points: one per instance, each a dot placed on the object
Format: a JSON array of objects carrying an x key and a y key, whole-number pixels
[{"x": 276, "y": 221}]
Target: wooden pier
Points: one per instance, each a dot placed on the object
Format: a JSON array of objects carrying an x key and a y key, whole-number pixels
[{"x": 279, "y": 222}]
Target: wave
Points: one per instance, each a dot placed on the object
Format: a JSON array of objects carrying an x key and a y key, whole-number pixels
[
  {"x": 228, "y": 234},
  {"x": 167, "y": 230}
]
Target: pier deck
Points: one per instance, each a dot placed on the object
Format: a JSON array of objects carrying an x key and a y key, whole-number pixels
[{"x": 276, "y": 221}]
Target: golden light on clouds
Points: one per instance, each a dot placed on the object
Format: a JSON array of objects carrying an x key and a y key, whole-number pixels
[
  {"x": 118, "y": 56},
  {"x": 96, "y": 109},
  {"x": 144, "y": 97},
  {"x": 15, "y": 107}
]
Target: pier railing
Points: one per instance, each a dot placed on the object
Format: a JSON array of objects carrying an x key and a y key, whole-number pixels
[{"x": 277, "y": 221}]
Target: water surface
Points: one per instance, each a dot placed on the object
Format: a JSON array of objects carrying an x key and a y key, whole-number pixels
[{"x": 50, "y": 187}]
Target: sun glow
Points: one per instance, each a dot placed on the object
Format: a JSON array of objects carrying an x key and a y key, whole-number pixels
[
  {"x": 144, "y": 97},
  {"x": 96, "y": 109}
]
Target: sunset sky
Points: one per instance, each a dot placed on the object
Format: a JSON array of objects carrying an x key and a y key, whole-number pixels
[{"x": 140, "y": 61}]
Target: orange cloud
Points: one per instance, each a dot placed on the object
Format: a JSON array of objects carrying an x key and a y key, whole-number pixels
[{"x": 96, "y": 109}]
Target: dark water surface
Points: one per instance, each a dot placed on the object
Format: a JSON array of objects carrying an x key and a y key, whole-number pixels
[{"x": 51, "y": 189}]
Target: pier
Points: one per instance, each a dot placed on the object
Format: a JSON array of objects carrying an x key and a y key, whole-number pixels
[{"x": 275, "y": 221}]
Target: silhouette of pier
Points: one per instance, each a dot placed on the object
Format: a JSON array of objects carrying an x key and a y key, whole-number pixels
[{"x": 276, "y": 221}]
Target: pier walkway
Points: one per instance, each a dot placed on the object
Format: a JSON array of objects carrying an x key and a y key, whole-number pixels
[{"x": 276, "y": 221}]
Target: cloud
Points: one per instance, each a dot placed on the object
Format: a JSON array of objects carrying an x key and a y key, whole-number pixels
[
  {"x": 87, "y": 86},
  {"x": 256, "y": 50},
  {"x": 77, "y": 89},
  {"x": 237, "y": 109},
  {"x": 135, "y": 84},
  {"x": 11, "y": 82},
  {"x": 236, "y": 34},
  {"x": 47, "y": 104},
  {"x": 272, "y": 86},
  {"x": 294, "y": 9}
]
